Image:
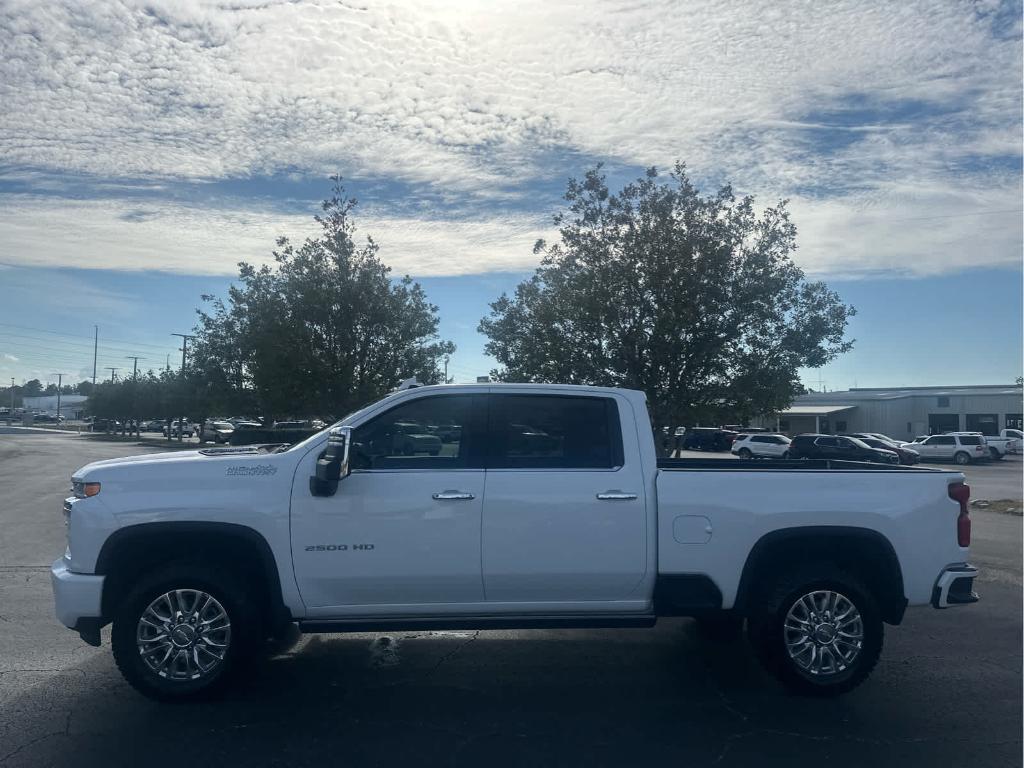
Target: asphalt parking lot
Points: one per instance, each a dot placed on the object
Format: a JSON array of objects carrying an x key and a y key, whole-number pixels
[{"x": 947, "y": 690}]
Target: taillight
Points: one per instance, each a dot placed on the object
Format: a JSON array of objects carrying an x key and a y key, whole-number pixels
[{"x": 961, "y": 493}]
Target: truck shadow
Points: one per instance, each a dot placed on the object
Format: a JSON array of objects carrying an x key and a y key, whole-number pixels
[{"x": 437, "y": 698}]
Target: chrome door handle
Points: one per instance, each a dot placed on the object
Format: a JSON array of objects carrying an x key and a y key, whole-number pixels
[
  {"x": 450, "y": 495},
  {"x": 616, "y": 496}
]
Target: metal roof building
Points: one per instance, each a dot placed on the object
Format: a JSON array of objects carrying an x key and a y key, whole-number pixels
[{"x": 904, "y": 412}]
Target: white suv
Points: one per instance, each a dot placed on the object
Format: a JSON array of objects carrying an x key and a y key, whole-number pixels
[
  {"x": 960, "y": 449},
  {"x": 761, "y": 446}
]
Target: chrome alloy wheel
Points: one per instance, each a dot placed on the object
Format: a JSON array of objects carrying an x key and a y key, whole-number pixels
[
  {"x": 824, "y": 633},
  {"x": 184, "y": 635}
]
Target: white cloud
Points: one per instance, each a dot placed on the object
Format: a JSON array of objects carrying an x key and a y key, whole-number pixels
[
  {"x": 471, "y": 98},
  {"x": 10, "y": 358},
  {"x": 171, "y": 237}
]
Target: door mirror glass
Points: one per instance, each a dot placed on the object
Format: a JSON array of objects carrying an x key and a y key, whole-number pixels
[{"x": 332, "y": 465}]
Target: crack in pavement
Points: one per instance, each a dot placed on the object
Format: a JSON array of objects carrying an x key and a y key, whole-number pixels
[{"x": 452, "y": 652}]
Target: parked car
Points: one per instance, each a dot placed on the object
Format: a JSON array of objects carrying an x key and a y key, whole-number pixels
[
  {"x": 1017, "y": 435},
  {"x": 708, "y": 439},
  {"x": 218, "y": 431},
  {"x": 153, "y": 425},
  {"x": 960, "y": 449},
  {"x": 812, "y": 446},
  {"x": 179, "y": 426},
  {"x": 761, "y": 446},
  {"x": 908, "y": 456},
  {"x": 103, "y": 425},
  {"x": 291, "y": 425},
  {"x": 244, "y": 424},
  {"x": 814, "y": 559},
  {"x": 998, "y": 447},
  {"x": 741, "y": 430},
  {"x": 410, "y": 438}
]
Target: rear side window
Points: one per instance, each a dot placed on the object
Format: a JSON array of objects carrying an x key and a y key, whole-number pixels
[
  {"x": 941, "y": 440},
  {"x": 758, "y": 439},
  {"x": 553, "y": 432},
  {"x": 826, "y": 442},
  {"x": 970, "y": 440}
]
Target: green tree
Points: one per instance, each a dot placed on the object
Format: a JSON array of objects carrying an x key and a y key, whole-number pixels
[
  {"x": 322, "y": 331},
  {"x": 693, "y": 299},
  {"x": 32, "y": 388}
]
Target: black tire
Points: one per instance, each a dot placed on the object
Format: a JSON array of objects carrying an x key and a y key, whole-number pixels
[
  {"x": 961, "y": 458},
  {"x": 744, "y": 453},
  {"x": 785, "y": 455},
  {"x": 768, "y": 635},
  {"x": 243, "y": 641},
  {"x": 996, "y": 456}
]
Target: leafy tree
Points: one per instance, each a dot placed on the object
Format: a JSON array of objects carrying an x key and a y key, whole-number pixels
[
  {"x": 320, "y": 332},
  {"x": 83, "y": 387},
  {"x": 693, "y": 299},
  {"x": 32, "y": 388},
  {"x": 51, "y": 389}
]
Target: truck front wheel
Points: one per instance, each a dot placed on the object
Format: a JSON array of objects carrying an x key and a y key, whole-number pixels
[
  {"x": 183, "y": 632},
  {"x": 819, "y": 632}
]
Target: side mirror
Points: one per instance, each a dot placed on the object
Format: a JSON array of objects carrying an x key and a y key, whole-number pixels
[{"x": 332, "y": 465}]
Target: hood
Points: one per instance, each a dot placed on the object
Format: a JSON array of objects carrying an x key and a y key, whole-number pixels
[{"x": 169, "y": 457}]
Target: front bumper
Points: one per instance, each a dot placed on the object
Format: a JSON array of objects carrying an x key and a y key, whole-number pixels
[
  {"x": 955, "y": 586},
  {"x": 77, "y": 597}
]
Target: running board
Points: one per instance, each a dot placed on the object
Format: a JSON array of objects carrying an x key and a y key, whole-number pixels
[{"x": 414, "y": 623}]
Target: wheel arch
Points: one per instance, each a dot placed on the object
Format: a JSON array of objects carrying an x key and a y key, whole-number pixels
[
  {"x": 130, "y": 552},
  {"x": 862, "y": 551}
]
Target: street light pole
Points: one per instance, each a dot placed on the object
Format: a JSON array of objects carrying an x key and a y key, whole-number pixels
[{"x": 60, "y": 380}]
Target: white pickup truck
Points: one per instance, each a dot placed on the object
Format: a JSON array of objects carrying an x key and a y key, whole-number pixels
[{"x": 543, "y": 506}]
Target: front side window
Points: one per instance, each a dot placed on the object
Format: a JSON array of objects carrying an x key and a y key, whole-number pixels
[
  {"x": 553, "y": 432},
  {"x": 941, "y": 440},
  {"x": 425, "y": 433},
  {"x": 826, "y": 442}
]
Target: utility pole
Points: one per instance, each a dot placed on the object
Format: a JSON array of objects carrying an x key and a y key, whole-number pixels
[
  {"x": 184, "y": 346},
  {"x": 60, "y": 380},
  {"x": 446, "y": 369},
  {"x": 167, "y": 365},
  {"x": 95, "y": 348},
  {"x": 135, "y": 364},
  {"x": 113, "y": 374},
  {"x": 10, "y": 416},
  {"x": 135, "y": 393}
]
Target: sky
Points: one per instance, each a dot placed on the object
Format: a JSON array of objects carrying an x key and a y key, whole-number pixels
[{"x": 148, "y": 147}]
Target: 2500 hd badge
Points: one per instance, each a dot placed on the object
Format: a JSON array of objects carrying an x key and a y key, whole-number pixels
[{"x": 337, "y": 547}]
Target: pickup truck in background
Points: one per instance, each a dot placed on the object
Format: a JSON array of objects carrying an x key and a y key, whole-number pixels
[
  {"x": 548, "y": 508},
  {"x": 998, "y": 447}
]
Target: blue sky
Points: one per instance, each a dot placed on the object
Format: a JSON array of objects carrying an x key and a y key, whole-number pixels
[{"x": 146, "y": 148}]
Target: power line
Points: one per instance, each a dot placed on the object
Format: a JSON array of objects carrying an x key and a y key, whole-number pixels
[{"x": 80, "y": 336}]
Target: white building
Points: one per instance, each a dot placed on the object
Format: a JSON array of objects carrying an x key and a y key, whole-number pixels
[
  {"x": 904, "y": 412},
  {"x": 71, "y": 406}
]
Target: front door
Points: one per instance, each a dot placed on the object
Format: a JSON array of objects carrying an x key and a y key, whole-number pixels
[
  {"x": 403, "y": 529},
  {"x": 564, "y": 517}
]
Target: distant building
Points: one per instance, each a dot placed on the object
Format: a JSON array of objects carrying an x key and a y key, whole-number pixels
[
  {"x": 904, "y": 412},
  {"x": 71, "y": 406}
]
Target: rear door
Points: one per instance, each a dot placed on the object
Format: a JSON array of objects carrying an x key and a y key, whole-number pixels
[
  {"x": 564, "y": 517},
  {"x": 826, "y": 448}
]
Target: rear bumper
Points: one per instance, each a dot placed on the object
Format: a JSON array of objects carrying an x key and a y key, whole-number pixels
[
  {"x": 77, "y": 597},
  {"x": 955, "y": 586}
]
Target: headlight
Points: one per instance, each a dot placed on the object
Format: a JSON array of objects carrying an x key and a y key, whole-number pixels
[{"x": 84, "y": 490}]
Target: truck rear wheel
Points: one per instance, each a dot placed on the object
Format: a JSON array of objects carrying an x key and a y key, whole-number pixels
[
  {"x": 962, "y": 458},
  {"x": 818, "y": 631},
  {"x": 182, "y": 633}
]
